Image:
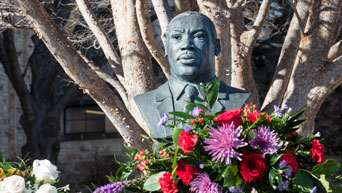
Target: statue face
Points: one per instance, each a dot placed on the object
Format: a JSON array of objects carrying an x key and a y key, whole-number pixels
[{"x": 191, "y": 49}]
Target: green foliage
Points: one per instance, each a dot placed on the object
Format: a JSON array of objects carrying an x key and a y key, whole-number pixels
[
  {"x": 271, "y": 176},
  {"x": 303, "y": 180},
  {"x": 175, "y": 135},
  {"x": 275, "y": 158},
  {"x": 328, "y": 168},
  {"x": 231, "y": 177},
  {"x": 152, "y": 184},
  {"x": 181, "y": 114}
]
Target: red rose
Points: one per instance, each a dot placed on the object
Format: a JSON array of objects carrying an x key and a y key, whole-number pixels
[
  {"x": 167, "y": 184},
  {"x": 318, "y": 150},
  {"x": 186, "y": 173},
  {"x": 253, "y": 166},
  {"x": 290, "y": 161},
  {"x": 230, "y": 116},
  {"x": 187, "y": 141}
]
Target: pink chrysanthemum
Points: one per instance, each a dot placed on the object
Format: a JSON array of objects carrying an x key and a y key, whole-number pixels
[
  {"x": 203, "y": 184},
  {"x": 224, "y": 144},
  {"x": 267, "y": 140}
]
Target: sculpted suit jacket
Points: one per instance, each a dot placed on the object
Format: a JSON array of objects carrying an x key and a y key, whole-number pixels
[{"x": 155, "y": 103}]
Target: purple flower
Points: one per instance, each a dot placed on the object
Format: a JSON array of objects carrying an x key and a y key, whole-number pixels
[
  {"x": 284, "y": 186},
  {"x": 267, "y": 140},
  {"x": 283, "y": 164},
  {"x": 288, "y": 172},
  {"x": 196, "y": 111},
  {"x": 112, "y": 188},
  {"x": 277, "y": 111},
  {"x": 314, "y": 190},
  {"x": 235, "y": 189},
  {"x": 201, "y": 166},
  {"x": 203, "y": 184},
  {"x": 318, "y": 134},
  {"x": 163, "y": 120},
  {"x": 224, "y": 144},
  {"x": 187, "y": 128}
]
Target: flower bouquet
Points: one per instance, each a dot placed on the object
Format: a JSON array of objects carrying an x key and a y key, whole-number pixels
[
  {"x": 41, "y": 177},
  {"x": 232, "y": 151}
]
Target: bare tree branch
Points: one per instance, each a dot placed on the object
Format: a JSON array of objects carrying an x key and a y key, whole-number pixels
[
  {"x": 100, "y": 34},
  {"x": 9, "y": 60},
  {"x": 182, "y": 6},
  {"x": 149, "y": 36},
  {"x": 217, "y": 12},
  {"x": 335, "y": 51},
  {"x": 300, "y": 21},
  {"x": 286, "y": 59},
  {"x": 112, "y": 80},
  {"x": 81, "y": 73},
  {"x": 163, "y": 14},
  {"x": 253, "y": 34}
]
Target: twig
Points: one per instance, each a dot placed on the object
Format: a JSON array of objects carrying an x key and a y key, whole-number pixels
[{"x": 300, "y": 21}]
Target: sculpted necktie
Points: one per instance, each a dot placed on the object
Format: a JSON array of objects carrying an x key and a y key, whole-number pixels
[{"x": 190, "y": 93}]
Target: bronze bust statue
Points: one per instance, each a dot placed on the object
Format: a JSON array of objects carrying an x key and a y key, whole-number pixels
[{"x": 191, "y": 46}]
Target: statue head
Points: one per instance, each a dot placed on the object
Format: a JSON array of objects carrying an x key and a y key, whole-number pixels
[{"x": 191, "y": 46}]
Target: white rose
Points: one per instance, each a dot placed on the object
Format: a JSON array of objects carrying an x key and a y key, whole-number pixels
[
  {"x": 45, "y": 171},
  {"x": 13, "y": 184},
  {"x": 47, "y": 188}
]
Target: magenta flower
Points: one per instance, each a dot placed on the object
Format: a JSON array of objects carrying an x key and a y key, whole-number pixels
[
  {"x": 224, "y": 144},
  {"x": 267, "y": 140},
  {"x": 203, "y": 184}
]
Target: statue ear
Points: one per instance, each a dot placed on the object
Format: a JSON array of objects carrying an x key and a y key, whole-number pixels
[
  {"x": 165, "y": 49},
  {"x": 217, "y": 47}
]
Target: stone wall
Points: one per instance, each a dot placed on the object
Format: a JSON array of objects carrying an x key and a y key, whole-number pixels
[
  {"x": 83, "y": 162},
  {"x": 12, "y": 137}
]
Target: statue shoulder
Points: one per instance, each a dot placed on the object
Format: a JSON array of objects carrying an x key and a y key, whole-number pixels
[
  {"x": 234, "y": 94},
  {"x": 152, "y": 96}
]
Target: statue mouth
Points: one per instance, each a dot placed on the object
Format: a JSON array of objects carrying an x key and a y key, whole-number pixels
[{"x": 188, "y": 58}]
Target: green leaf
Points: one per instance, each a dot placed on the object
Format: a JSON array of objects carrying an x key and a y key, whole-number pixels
[
  {"x": 131, "y": 149},
  {"x": 175, "y": 135},
  {"x": 2, "y": 158},
  {"x": 294, "y": 117},
  {"x": 329, "y": 168},
  {"x": 325, "y": 183},
  {"x": 294, "y": 123},
  {"x": 145, "y": 136},
  {"x": 190, "y": 106},
  {"x": 303, "y": 179},
  {"x": 213, "y": 93},
  {"x": 174, "y": 164},
  {"x": 275, "y": 158},
  {"x": 152, "y": 184},
  {"x": 181, "y": 114},
  {"x": 271, "y": 177},
  {"x": 280, "y": 179},
  {"x": 7, "y": 166},
  {"x": 230, "y": 176}
]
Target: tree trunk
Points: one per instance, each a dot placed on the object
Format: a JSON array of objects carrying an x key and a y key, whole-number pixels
[
  {"x": 84, "y": 76},
  {"x": 314, "y": 77}
]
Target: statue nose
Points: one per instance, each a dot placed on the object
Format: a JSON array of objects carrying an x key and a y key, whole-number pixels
[{"x": 188, "y": 44}]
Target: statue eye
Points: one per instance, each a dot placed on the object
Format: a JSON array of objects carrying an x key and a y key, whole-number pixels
[
  {"x": 176, "y": 37},
  {"x": 200, "y": 35}
]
